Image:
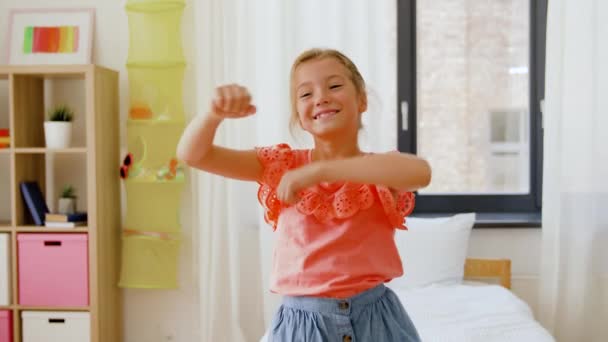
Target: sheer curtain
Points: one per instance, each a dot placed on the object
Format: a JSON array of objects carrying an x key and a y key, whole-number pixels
[
  {"x": 574, "y": 268},
  {"x": 230, "y": 283},
  {"x": 254, "y": 43}
]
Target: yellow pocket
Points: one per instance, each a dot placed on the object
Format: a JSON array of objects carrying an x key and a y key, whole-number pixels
[
  {"x": 155, "y": 31},
  {"x": 157, "y": 138},
  {"x": 149, "y": 262},
  {"x": 153, "y": 206},
  {"x": 155, "y": 91},
  {"x": 154, "y": 5}
]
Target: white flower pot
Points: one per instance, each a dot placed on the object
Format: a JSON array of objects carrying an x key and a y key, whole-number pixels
[
  {"x": 57, "y": 134},
  {"x": 67, "y": 206}
]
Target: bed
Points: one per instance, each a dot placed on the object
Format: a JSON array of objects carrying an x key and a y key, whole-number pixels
[{"x": 473, "y": 311}]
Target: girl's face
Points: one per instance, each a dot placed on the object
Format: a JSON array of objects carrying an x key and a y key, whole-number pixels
[{"x": 327, "y": 102}]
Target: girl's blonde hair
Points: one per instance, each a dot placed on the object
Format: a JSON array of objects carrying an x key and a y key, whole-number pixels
[{"x": 314, "y": 54}]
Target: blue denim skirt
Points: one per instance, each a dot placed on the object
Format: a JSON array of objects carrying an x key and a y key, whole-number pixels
[{"x": 375, "y": 315}]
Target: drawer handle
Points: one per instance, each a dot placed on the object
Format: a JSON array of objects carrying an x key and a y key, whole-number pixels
[
  {"x": 52, "y": 243},
  {"x": 56, "y": 320}
]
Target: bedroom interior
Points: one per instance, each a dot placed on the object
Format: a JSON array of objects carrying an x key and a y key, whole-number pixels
[{"x": 535, "y": 138}]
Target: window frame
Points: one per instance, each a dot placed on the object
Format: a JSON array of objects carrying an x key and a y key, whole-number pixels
[{"x": 494, "y": 210}]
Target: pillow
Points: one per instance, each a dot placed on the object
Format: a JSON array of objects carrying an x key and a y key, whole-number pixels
[{"x": 433, "y": 250}]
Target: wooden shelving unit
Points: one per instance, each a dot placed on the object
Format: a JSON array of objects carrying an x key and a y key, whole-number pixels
[{"x": 99, "y": 151}]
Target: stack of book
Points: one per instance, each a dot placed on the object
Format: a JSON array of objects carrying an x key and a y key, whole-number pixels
[
  {"x": 53, "y": 220},
  {"x": 5, "y": 138}
]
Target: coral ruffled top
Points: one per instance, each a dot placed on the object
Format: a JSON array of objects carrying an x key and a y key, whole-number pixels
[{"x": 338, "y": 239}]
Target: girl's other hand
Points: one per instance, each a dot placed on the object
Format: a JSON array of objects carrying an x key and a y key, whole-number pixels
[
  {"x": 232, "y": 101},
  {"x": 296, "y": 180}
]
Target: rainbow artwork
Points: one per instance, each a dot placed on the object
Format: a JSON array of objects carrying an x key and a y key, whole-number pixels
[{"x": 56, "y": 39}]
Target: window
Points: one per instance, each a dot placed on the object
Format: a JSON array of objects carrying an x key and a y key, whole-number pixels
[{"x": 471, "y": 80}]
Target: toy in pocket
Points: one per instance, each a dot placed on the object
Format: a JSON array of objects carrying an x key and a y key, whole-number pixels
[
  {"x": 173, "y": 171},
  {"x": 127, "y": 169},
  {"x": 140, "y": 112}
]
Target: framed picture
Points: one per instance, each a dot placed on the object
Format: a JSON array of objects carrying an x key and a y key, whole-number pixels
[{"x": 50, "y": 36}]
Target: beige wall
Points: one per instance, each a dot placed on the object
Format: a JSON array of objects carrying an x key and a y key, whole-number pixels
[{"x": 520, "y": 245}]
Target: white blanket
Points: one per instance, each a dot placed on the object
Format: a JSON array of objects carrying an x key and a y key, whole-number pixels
[{"x": 466, "y": 313}]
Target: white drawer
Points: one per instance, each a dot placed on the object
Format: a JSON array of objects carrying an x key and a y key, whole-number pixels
[
  {"x": 5, "y": 267},
  {"x": 47, "y": 326}
]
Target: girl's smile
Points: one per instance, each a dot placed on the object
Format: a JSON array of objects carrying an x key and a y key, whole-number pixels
[{"x": 325, "y": 114}]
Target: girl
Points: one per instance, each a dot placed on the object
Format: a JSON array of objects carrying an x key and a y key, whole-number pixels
[{"x": 334, "y": 208}]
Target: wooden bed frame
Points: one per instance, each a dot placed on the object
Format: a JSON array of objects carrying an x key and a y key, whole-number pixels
[{"x": 484, "y": 269}]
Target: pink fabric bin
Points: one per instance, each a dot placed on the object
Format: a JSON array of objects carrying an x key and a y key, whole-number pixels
[
  {"x": 53, "y": 270},
  {"x": 6, "y": 326}
]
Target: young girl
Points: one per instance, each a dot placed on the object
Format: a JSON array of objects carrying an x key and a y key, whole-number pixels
[{"x": 334, "y": 207}]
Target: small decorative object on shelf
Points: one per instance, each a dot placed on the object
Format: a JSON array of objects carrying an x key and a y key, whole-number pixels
[
  {"x": 74, "y": 220},
  {"x": 5, "y": 138},
  {"x": 58, "y": 129},
  {"x": 67, "y": 201}
]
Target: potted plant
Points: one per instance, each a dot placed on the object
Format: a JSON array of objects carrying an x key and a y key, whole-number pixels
[
  {"x": 67, "y": 200},
  {"x": 58, "y": 128}
]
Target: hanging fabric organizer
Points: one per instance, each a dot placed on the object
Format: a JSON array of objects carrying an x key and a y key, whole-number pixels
[{"x": 152, "y": 177}]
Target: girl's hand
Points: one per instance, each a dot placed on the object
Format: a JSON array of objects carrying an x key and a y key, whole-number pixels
[
  {"x": 232, "y": 101},
  {"x": 294, "y": 181}
]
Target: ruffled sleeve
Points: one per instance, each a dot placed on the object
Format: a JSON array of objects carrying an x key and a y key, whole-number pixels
[
  {"x": 396, "y": 206},
  {"x": 275, "y": 160},
  {"x": 339, "y": 200}
]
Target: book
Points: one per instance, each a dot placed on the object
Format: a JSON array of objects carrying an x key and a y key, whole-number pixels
[
  {"x": 75, "y": 217},
  {"x": 34, "y": 201},
  {"x": 64, "y": 224}
]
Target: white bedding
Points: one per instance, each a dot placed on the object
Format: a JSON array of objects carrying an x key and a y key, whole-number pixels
[{"x": 471, "y": 313}]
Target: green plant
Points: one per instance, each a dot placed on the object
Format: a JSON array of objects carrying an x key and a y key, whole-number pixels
[
  {"x": 68, "y": 192},
  {"x": 61, "y": 113}
]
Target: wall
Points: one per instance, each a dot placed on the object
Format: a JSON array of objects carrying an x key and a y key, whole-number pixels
[
  {"x": 150, "y": 315},
  {"x": 522, "y": 246}
]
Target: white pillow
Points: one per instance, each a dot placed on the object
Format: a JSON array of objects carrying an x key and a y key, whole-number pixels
[{"x": 433, "y": 250}]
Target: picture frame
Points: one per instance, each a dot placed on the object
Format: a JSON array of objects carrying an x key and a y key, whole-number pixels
[{"x": 50, "y": 36}]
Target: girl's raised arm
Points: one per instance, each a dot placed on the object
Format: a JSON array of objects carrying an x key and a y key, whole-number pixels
[{"x": 196, "y": 147}]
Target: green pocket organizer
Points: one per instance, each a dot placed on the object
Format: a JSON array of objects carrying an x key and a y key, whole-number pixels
[
  {"x": 158, "y": 139},
  {"x": 149, "y": 262},
  {"x": 153, "y": 206},
  {"x": 155, "y": 91},
  {"x": 155, "y": 31}
]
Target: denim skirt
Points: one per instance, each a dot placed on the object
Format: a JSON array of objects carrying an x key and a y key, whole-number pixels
[{"x": 375, "y": 315}]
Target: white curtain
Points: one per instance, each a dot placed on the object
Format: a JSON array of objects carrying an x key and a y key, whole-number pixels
[
  {"x": 230, "y": 281},
  {"x": 254, "y": 43},
  {"x": 574, "y": 268}
]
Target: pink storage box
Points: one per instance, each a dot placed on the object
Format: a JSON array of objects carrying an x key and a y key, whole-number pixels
[
  {"x": 53, "y": 269},
  {"x": 6, "y": 326}
]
